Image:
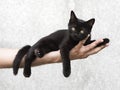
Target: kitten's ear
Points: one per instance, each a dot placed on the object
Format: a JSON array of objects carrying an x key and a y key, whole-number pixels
[
  {"x": 73, "y": 17},
  {"x": 91, "y": 22}
]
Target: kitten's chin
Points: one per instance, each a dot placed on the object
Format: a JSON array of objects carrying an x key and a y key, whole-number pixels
[{"x": 78, "y": 38}]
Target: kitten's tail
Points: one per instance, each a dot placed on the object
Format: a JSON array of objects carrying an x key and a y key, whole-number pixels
[{"x": 18, "y": 58}]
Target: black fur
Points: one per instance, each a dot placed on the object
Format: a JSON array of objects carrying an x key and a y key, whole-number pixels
[
  {"x": 64, "y": 40},
  {"x": 19, "y": 57}
]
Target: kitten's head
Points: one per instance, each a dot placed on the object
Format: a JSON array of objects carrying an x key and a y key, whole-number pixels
[{"x": 79, "y": 29}]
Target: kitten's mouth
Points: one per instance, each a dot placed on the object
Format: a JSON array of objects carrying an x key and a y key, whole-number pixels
[{"x": 79, "y": 38}]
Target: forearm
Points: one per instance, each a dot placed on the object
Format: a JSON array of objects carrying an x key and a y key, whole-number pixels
[
  {"x": 52, "y": 57},
  {"x": 7, "y": 56}
]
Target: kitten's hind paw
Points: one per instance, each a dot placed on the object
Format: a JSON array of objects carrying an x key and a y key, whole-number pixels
[
  {"x": 105, "y": 41},
  {"x": 27, "y": 73},
  {"x": 38, "y": 53}
]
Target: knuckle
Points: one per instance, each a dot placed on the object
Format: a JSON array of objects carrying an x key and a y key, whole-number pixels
[
  {"x": 85, "y": 56},
  {"x": 94, "y": 44},
  {"x": 81, "y": 54}
]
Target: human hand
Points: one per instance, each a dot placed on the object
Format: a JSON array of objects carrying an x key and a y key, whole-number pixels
[{"x": 80, "y": 51}]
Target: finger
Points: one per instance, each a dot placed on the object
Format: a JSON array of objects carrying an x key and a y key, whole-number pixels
[
  {"x": 80, "y": 44},
  {"x": 96, "y": 50},
  {"x": 93, "y": 45}
]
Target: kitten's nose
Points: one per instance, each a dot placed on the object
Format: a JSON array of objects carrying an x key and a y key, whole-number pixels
[{"x": 76, "y": 36}]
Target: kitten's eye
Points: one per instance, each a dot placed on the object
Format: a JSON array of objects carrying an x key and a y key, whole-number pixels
[
  {"x": 38, "y": 53},
  {"x": 73, "y": 29},
  {"x": 82, "y": 31}
]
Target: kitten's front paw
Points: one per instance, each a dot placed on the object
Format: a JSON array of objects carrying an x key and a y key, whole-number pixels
[
  {"x": 67, "y": 73},
  {"x": 27, "y": 73},
  {"x": 105, "y": 41}
]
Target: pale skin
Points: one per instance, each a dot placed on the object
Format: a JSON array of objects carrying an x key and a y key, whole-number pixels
[{"x": 78, "y": 52}]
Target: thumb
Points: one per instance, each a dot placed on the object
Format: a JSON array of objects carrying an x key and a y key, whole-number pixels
[{"x": 80, "y": 44}]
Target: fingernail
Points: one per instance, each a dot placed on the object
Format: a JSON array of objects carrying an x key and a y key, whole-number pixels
[
  {"x": 107, "y": 44},
  {"x": 88, "y": 35},
  {"x": 101, "y": 40}
]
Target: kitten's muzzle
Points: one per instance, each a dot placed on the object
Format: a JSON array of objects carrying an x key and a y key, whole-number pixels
[{"x": 78, "y": 37}]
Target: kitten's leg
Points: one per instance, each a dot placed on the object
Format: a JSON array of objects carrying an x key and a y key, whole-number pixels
[
  {"x": 30, "y": 57},
  {"x": 66, "y": 61},
  {"x": 105, "y": 41},
  {"x": 89, "y": 42},
  {"x": 19, "y": 57}
]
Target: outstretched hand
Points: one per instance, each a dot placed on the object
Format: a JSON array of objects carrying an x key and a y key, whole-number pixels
[{"x": 80, "y": 51}]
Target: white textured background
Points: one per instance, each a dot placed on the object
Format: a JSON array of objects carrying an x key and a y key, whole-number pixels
[{"x": 26, "y": 21}]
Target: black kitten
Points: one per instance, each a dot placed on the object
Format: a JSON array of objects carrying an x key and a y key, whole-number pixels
[{"x": 64, "y": 40}]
